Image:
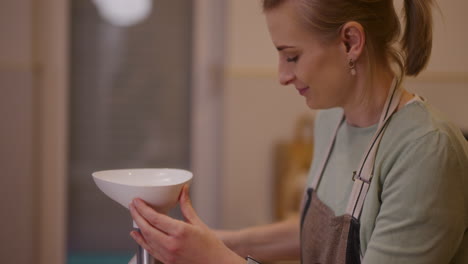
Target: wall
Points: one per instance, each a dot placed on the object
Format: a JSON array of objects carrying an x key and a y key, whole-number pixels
[
  {"x": 206, "y": 108},
  {"x": 16, "y": 133},
  {"x": 259, "y": 112},
  {"x": 445, "y": 81},
  {"x": 50, "y": 51},
  {"x": 33, "y": 82}
]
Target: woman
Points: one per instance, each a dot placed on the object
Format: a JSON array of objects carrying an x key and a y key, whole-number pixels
[{"x": 389, "y": 177}]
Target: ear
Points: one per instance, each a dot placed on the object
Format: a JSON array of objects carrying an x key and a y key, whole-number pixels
[{"x": 353, "y": 38}]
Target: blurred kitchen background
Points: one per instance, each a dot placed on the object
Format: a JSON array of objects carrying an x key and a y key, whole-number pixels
[{"x": 87, "y": 85}]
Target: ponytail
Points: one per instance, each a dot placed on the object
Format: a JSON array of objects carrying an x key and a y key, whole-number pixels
[{"x": 417, "y": 39}]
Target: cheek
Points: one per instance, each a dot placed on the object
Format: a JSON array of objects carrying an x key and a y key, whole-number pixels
[
  {"x": 324, "y": 70},
  {"x": 326, "y": 76},
  {"x": 325, "y": 64}
]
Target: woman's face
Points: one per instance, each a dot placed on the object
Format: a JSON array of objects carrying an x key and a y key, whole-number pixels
[{"x": 318, "y": 70}]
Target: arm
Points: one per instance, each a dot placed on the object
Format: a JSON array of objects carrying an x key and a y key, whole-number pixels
[
  {"x": 422, "y": 213},
  {"x": 273, "y": 242}
]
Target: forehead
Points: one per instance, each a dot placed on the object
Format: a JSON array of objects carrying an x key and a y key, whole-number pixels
[{"x": 284, "y": 26}]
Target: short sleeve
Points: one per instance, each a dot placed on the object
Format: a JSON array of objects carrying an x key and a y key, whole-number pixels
[{"x": 422, "y": 213}]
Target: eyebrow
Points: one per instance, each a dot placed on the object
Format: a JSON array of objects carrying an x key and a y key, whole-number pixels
[{"x": 280, "y": 48}]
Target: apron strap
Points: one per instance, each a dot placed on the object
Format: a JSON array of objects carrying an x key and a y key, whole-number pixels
[{"x": 363, "y": 177}]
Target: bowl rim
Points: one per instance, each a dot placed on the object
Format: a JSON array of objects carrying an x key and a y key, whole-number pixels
[{"x": 186, "y": 172}]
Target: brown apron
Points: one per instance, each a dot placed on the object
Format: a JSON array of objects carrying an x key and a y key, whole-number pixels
[{"x": 330, "y": 239}]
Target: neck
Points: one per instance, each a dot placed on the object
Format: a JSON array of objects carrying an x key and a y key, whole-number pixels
[{"x": 369, "y": 98}]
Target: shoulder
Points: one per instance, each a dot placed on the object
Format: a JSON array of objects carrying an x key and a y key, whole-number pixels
[
  {"x": 418, "y": 119},
  {"x": 420, "y": 137},
  {"x": 419, "y": 193}
]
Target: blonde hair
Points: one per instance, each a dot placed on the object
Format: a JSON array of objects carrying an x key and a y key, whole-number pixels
[{"x": 381, "y": 25}]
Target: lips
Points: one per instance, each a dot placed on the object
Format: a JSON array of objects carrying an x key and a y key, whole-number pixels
[{"x": 302, "y": 91}]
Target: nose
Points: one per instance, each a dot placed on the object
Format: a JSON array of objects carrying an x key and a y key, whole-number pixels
[{"x": 286, "y": 76}]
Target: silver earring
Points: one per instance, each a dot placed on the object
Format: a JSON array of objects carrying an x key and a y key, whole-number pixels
[{"x": 352, "y": 67}]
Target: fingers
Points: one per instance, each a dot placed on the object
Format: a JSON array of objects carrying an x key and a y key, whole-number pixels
[
  {"x": 187, "y": 208},
  {"x": 142, "y": 242},
  {"x": 147, "y": 229},
  {"x": 150, "y": 218}
]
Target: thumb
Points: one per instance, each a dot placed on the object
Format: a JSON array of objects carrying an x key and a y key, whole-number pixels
[{"x": 187, "y": 208}]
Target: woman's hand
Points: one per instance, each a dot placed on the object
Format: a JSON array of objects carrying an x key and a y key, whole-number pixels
[{"x": 172, "y": 241}]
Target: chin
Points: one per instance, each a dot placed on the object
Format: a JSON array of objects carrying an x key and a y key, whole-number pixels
[
  {"x": 313, "y": 104},
  {"x": 317, "y": 105}
]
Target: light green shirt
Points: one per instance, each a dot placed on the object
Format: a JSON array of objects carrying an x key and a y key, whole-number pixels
[{"x": 416, "y": 210}]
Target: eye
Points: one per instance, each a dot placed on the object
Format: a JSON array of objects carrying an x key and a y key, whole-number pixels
[{"x": 292, "y": 59}]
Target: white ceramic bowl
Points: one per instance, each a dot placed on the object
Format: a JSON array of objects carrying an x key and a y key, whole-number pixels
[{"x": 159, "y": 187}]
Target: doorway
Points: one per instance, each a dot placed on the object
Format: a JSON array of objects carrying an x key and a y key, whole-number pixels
[{"x": 129, "y": 108}]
